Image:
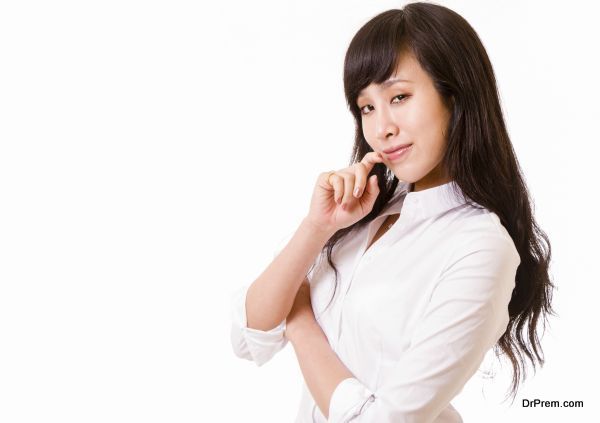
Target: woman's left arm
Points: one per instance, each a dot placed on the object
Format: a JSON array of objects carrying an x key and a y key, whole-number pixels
[{"x": 322, "y": 369}]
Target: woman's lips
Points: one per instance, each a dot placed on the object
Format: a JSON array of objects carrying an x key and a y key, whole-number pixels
[{"x": 399, "y": 153}]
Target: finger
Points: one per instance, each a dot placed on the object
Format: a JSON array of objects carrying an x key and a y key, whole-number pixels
[
  {"x": 324, "y": 178},
  {"x": 348, "y": 188},
  {"x": 372, "y": 190},
  {"x": 338, "y": 187},
  {"x": 360, "y": 179},
  {"x": 329, "y": 182},
  {"x": 363, "y": 169},
  {"x": 371, "y": 159}
]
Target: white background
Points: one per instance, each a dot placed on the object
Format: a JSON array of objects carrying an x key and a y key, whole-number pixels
[{"x": 154, "y": 153}]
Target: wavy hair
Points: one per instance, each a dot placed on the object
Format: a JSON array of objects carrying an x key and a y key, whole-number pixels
[{"x": 479, "y": 155}]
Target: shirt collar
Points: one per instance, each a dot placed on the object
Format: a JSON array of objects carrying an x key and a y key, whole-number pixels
[{"x": 426, "y": 203}]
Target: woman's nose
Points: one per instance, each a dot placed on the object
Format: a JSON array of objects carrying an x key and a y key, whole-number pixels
[{"x": 385, "y": 125}]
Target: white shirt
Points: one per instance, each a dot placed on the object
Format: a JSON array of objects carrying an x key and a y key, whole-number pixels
[{"x": 412, "y": 318}]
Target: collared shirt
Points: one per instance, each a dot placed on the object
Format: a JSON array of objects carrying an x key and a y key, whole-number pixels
[{"x": 413, "y": 315}]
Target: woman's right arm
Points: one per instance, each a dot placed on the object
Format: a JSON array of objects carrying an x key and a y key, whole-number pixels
[
  {"x": 260, "y": 310},
  {"x": 270, "y": 297}
]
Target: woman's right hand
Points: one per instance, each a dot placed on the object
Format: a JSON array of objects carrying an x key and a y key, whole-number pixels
[{"x": 334, "y": 205}]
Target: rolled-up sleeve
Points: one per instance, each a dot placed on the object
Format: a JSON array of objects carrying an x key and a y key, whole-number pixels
[
  {"x": 253, "y": 344},
  {"x": 466, "y": 315},
  {"x": 249, "y": 343}
]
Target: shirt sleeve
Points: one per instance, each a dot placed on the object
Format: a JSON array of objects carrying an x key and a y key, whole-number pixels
[
  {"x": 466, "y": 315},
  {"x": 249, "y": 343},
  {"x": 253, "y": 344}
]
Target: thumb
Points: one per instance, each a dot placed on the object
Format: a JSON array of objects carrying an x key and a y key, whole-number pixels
[{"x": 372, "y": 189}]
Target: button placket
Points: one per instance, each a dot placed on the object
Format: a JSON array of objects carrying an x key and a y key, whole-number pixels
[{"x": 364, "y": 257}]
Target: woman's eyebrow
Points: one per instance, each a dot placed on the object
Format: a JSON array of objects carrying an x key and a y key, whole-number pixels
[{"x": 385, "y": 84}]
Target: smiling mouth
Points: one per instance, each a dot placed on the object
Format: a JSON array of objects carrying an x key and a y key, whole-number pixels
[
  {"x": 398, "y": 153},
  {"x": 394, "y": 149}
]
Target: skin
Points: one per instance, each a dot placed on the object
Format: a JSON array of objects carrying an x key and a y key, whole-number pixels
[
  {"x": 320, "y": 366},
  {"x": 405, "y": 112},
  {"x": 408, "y": 112}
]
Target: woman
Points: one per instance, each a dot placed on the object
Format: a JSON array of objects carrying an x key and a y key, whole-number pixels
[{"x": 433, "y": 255}]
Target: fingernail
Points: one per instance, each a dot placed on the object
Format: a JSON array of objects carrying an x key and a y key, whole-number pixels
[{"x": 356, "y": 191}]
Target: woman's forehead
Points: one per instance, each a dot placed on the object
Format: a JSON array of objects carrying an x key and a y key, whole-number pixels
[{"x": 407, "y": 72}]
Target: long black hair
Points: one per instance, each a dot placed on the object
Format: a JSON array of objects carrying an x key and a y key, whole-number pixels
[{"x": 479, "y": 155}]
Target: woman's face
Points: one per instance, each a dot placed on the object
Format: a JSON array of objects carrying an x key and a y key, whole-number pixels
[{"x": 407, "y": 112}]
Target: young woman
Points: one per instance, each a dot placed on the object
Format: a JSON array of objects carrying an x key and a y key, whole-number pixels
[{"x": 433, "y": 254}]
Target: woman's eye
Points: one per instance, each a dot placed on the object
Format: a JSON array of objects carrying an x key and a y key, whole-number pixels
[
  {"x": 368, "y": 105},
  {"x": 363, "y": 108}
]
